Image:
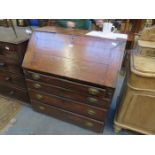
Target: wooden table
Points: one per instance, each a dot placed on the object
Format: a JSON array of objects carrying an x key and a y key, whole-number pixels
[{"x": 72, "y": 76}]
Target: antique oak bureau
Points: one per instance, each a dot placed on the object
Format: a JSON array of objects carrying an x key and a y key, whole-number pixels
[
  {"x": 72, "y": 76},
  {"x": 12, "y": 51}
]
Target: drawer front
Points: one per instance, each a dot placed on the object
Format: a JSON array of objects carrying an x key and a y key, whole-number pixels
[
  {"x": 9, "y": 51},
  {"x": 8, "y": 65},
  {"x": 14, "y": 93},
  {"x": 12, "y": 79},
  {"x": 69, "y": 105},
  {"x": 85, "y": 122},
  {"x": 62, "y": 92},
  {"x": 74, "y": 86}
]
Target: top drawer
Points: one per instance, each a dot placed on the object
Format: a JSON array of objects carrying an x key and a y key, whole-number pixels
[
  {"x": 8, "y": 50},
  {"x": 74, "y": 86}
]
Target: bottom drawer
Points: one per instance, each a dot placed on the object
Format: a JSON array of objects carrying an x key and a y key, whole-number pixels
[
  {"x": 85, "y": 122},
  {"x": 15, "y": 93}
]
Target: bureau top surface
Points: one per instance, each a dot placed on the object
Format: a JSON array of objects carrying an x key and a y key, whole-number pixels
[
  {"x": 7, "y": 35},
  {"x": 75, "y": 56}
]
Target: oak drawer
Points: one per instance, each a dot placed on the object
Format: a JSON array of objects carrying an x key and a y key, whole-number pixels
[
  {"x": 8, "y": 50},
  {"x": 12, "y": 79},
  {"x": 11, "y": 66},
  {"x": 70, "y": 94},
  {"x": 83, "y": 121},
  {"x": 74, "y": 86},
  {"x": 69, "y": 105},
  {"x": 14, "y": 93}
]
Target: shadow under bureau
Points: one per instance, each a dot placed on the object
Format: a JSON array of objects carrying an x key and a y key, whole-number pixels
[
  {"x": 12, "y": 51},
  {"x": 72, "y": 76}
]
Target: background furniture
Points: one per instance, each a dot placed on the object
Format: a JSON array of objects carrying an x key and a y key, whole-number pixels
[
  {"x": 8, "y": 23},
  {"x": 72, "y": 76},
  {"x": 132, "y": 27},
  {"x": 137, "y": 108},
  {"x": 32, "y": 22},
  {"x": 12, "y": 50}
]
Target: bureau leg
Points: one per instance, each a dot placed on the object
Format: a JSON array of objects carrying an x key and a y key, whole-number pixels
[{"x": 117, "y": 128}]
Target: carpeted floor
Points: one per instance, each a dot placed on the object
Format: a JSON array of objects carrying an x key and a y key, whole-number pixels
[{"x": 8, "y": 109}]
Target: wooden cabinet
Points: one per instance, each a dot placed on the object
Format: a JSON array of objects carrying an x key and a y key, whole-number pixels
[
  {"x": 12, "y": 51},
  {"x": 137, "y": 104},
  {"x": 72, "y": 76}
]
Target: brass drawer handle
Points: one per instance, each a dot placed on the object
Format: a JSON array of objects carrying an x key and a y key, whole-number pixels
[
  {"x": 93, "y": 91},
  {"x": 89, "y": 124},
  {"x": 39, "y": 97},
  {"x": 91, "y": 112},
  {"x": 92, "y": 100},
  {"x": 35, "y": 76},
  {"x": 36, "y": 85},
  {"x": 41, "y": 108},
  {"x": 7, "y": 48}
]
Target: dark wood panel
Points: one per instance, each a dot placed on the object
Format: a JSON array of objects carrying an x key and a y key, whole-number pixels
[
  {"x": 85, "y": 122},
  {"x": 12, "y": 51},
  {"x": 12, "y": 79},
  {"x": 8, "y": 47},
  {"x": 10, "y": 66},
  {"x": 68, "y": 84},
  {"x": 8, "y": 51},
  {"x": 14, "y": 93},
  {"x": 70, "y": 94},
  {"x": 69, "y": 105}
]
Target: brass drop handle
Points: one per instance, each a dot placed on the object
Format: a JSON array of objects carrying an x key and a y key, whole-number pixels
[
  {"x": 7, "y": 78},
  {"x": 41, "y": 108},
  {"x": 39, "y": 97},
  {"x": 91, "y": 112},
  {"x": 36, "y": 76},
  {"x": 92, "y": 100},
  {"x": 7, "y": 48},
  {"x": 93, "y": 91},
  {"x": 89, "y": 124},
  {"x": 36, "y": 85}
]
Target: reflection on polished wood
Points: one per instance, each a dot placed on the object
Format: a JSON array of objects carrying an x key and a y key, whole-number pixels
[{"x": 83, "y": 58}]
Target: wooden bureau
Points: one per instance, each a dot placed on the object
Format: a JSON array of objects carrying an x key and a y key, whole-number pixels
[
  {"x": 12, "y": 51},
  {"x": 72, "y": 76}
]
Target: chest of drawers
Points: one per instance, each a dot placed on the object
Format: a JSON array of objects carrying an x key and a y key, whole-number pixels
[
  {"x": 72, "y": 76},
  {"x": 12, "y": 51}
]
